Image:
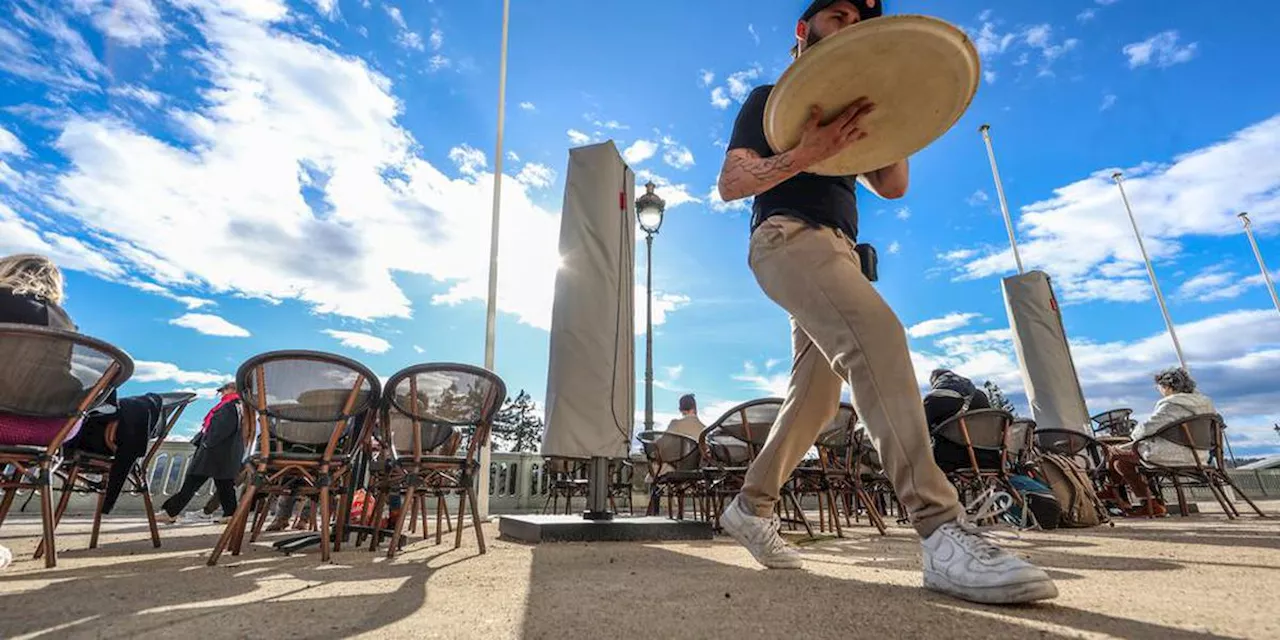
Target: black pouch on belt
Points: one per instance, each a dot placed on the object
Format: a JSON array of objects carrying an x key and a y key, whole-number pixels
[{"x": 867, "y": 258}]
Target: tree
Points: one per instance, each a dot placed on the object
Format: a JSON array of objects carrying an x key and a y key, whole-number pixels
[
  {"x": 998, "y": 399},
  {"x": 518, "y": 424}
]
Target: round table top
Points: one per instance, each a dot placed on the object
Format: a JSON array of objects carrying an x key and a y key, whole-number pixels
[{"x": 921, "y": 72}]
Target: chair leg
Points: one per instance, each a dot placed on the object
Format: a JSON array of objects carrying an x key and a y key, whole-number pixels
[
  {"x": 1221, "y": 497},
  {"x": 151, "y": 519},
  {"x": 835, "y": 513},
  {"x": 6, "y": 502},
  {"x": 398, "y": 525},
  {"x": 413, "y": 516},
  {"x": 475, "y": 520},
  {"x": 462, "y": 513},
  {"x": 340, "y": 522},
  {"x": 1232, "y": 484},
  {"x": 422, "y": 509},
  {"x": 63, "y": 498},
  {"x": 441, "y": 517},
  {"x": 97, "y": 520},
  {"x": 1182, "y": 497},
  {"x": 242, "y": 512},
  {"x": 260, "y": 518},
  {"x": 46, "y": 520},
  {"x": 375, "y": 523},
  {"x": 324, "y": 509},
  {"x": 448, "y": 521}
]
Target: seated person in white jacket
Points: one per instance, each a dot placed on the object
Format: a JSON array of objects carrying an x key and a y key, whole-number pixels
[{"x": 1179, "y": 400}]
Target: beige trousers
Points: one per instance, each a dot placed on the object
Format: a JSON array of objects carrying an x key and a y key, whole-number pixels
[{"x": 842, "y": 330}]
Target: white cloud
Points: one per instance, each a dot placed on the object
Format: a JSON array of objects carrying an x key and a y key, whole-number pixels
[
  {"x": 436, "y": 39},
  {"x": 769, "y": 382},
  {"x": 945, "y": 324},
  {"x": 130, "y": 22},
  {"x": 513, "y": 156},
  {"x": 438, "y": 62},
  {"x": 419, "y": 350},
  {"x": 706, "y": 77},
  {"x": 718, "y": 205},
  {"x": 578, "y": 138},
  {"x": 10, "y": 144},
  {"x": 990, "y": 76},
  {"x": 63, "y": 60},
  {"x": 528, "y": 106},
  {"x": 406, "y": 37},
  {"x": 149, "y": 371},
  {"x": 1106, "y": 3},
  {"x": 903, "y": 213},
  {"x": 361, "y": 341},
  {"x": 1108, "y": 101},
  {"x": 135, "y": 92},
  {"x": 1087, "y": 15},
  {"x": 210, "y": 325},
  {"x": 639, "y": 151},
  {"x": 674, "y": 194},
  {"x": 751, "y": 29},
  {"x": 676, "y": 155},
  {"x": 978, "y": 198},
  {"x": 895, "y": 247},
  {"x": 612, "y": 125},
  {"x": 737, "y": 86},
  {"x": 327, "y": 8},
  {"x": 1161, "y": 49},
  {"x": 719, "y": 98},
  {"x": 277, "y": 113},
  {"x": 536, "y": 176},
  {"x": 663, "y": 304},
  {"x": 992, "y": 43},
  {"x": 470, "y": 160},
  {"x": 1217, "y": 283},
  {"x": 1082, "y": 237}
]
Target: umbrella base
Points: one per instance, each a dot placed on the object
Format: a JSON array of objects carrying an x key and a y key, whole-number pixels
[{"x": 539, "y": 528}]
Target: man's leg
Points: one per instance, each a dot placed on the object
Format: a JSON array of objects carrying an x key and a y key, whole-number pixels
[
  {"x": 814, "y": 274},
  {"x": 813, "y": 397},
  {"x": 225, "y": 489}
]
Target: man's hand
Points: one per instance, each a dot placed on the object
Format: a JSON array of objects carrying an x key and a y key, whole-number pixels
[{"x": 820, "y": 141}]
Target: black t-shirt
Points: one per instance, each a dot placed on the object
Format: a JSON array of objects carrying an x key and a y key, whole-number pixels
[{"x": 820, "y": 200}]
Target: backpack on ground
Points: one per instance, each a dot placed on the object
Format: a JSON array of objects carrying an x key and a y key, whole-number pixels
[
  {"x": 1039, "y": 498},
  {"x": 1079, "y": 503}
]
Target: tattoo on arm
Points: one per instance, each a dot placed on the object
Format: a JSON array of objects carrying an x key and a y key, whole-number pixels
[{"x": 747, "y": 174}]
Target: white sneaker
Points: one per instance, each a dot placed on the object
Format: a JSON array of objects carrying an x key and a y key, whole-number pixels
[
  {"x": 759, "y": 536},
  {"x": 6, "y": 556},
  {"x": 961, "y": 563}
]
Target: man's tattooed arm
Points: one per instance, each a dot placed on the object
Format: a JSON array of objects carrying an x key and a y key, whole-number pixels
[{"x": 746, "y": 174}]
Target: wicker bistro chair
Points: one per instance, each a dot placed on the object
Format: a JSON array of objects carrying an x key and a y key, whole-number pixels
[
  {"x": 981, "y": 429},
  {"x": 751, "y": 422},
  {"x": 675, "y": 469},
  {"x": 621, "y": 480},
  {"x": 1021, "y": 445},
  {"x": 872, "y": 490},
  {"x": 49, "y": 381},
  {"x": 827, "y": 473},
  {"x": 447, "y": 403},
  {"x": 316, "y": 402},
  {"x": 78, "y": 467},
  {"x": 1115, "y": 423},
  {"x": 725, "y": 459},
  {"x": 1195, "y": 434},
  {"x": 567, "y": 478}
]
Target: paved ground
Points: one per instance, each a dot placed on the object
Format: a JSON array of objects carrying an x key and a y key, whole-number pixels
[{"x": 1202, "y": 577}]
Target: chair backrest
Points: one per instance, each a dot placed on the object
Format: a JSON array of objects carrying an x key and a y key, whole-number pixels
[
  {"x": 54, "y": 374},
  {"x": 1203, "y": 432},
  {"x": 837, "y": 436},
  {"x": 1064, "y": 442},
  {"x": 172, "y": 404},
  {"x": 863, "y": 457},
  {"x": 751, "y": 421},
  {"x": 1115, "y": 422},
  {"x": 674, "y": 450},
  {"x": 1020, "y": 440},
  {"x": 986, "y": 428},
  {"x": 307, "y": 397},
  {"x": 442, "y": 399},
  {"x": 723, "y": 449}
]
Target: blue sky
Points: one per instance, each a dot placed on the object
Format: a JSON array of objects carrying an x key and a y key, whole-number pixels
[{"x": 221, "y": 178}]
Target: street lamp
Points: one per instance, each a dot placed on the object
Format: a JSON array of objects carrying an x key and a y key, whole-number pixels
[{"x": 649, "y": 211}]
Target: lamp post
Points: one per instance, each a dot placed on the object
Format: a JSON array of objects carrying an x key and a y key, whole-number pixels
[
  {"x": 1168, "y": 321},
  {"x": 649, "y": 212},
  {"x": 1257, "y": 253}
]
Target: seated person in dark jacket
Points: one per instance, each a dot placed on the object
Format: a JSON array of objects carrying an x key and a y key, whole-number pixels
[
  {"x": 947, "y": 396},
  {"x": 31, "y": 292}
]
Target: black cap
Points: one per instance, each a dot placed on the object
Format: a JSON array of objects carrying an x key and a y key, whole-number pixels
[{"x": 866, "y": 8}]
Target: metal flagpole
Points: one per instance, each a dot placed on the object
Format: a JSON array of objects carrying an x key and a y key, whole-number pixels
[
  {"x": 1168, "y": 321},
  {"x": 1257, "y": 253},
  {"x": 491, "y": 314},
  {"x": 1004, "y": 204}
]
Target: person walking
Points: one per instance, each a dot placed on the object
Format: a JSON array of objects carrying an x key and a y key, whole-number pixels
[{"x": 219, "y": 456}]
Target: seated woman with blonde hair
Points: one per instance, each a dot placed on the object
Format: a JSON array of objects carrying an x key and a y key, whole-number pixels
[
  {"x": 1178, "y": 400},
  {"x": 31, "y": 292}
]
